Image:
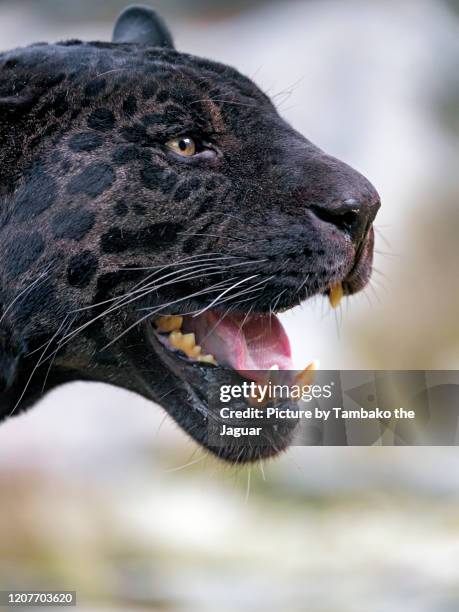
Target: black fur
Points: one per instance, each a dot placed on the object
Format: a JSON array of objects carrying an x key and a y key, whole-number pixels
[
  {"x": 92, "y": 202},
  {"x": 85, "y": 141},
  {"x": 93, "y": 181}
]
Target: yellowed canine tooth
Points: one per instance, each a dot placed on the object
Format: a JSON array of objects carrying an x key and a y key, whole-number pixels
[
  {"x": 255, "y": 398},
  {"x": 169, "y": 323},
  {"x": 335, "y": 295},
  {"x": 307, "y": 376}
]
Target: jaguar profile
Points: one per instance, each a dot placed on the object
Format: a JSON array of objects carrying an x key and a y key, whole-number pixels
[{"x": 156, "y": 214}]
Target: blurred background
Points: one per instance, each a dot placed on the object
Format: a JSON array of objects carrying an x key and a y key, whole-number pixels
[{"x": 100, "y": 494}]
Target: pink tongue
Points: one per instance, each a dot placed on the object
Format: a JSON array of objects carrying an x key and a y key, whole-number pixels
[{"x": 243, "y": 343}]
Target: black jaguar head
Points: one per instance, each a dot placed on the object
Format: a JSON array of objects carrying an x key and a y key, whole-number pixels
[{"x": 156, "y": 212}]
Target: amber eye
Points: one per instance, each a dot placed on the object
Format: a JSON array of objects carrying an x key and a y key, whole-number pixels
[{"x": 184, "y": 146}]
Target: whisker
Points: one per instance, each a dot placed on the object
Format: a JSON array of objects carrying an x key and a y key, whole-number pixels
[
  {"x": 274, "y": 307},
  {"x": 37, "y": 365},
  {"x": 142, "y": 286},
  {"x": 245, "y": 291},
  {"x": 219, "y": 236},
  {"x": 116, "y": 307},
  {"x": 247, "y": 493},
  {"x": 58, "y": 347},
  {"x": 380, "y": 273},
  {"x": 244, "y": 280},
  {"x": 24, "y": 291},
  {"x": 249, "y": 299},
  {"x": 380, "y": 234},
  {"x": 197, "y": 259},
  {"x": 379, "y": 283},
  {"x": 246, "y": 317},
  {"x": 373, "y": 289},
  {"x": 138, "y": 288},
  {"x": 303, "y": 283},
  {"x": 189, "y": 464},
  {"x": 387, "y": 254},
  {"x": 153, "y": 312},
  {"x": 180, "y": 262},
  {"x": 262, "y": 470},
  {"x": 212, "y": 288},
  {"x": 225, "y": 102},
  {"x": 214, "y": 327},
  {"x": 79, "y": 330}
]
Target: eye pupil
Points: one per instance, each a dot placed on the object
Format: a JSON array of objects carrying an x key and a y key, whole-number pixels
[{"x": 184, "y": 146}]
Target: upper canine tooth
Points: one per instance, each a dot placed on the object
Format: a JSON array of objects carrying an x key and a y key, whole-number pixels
[
  {"x": 335, "y": 295},
  {"x": 169, "y": 323}
]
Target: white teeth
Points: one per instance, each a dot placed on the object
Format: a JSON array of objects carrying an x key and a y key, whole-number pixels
[
  {"x": 169, "y": 323},
  {"x": 274, "y": 368},
  {"x": 335, "y": 295}
]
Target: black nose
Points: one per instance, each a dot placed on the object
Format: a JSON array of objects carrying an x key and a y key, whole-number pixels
[{"x": 353, "y": 216}]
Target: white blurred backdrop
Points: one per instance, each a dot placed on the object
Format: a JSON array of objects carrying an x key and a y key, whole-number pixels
[{"x": 91, "y": 498}]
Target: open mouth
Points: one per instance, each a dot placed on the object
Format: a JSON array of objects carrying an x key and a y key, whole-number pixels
[
  {"x": 249, "y": 344},
  {"x": 244, "y": 343},
  {"x": 204, "y": 350}
]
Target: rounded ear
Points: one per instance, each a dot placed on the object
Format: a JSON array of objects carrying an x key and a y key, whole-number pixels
[{"x": 140, "y": 24}]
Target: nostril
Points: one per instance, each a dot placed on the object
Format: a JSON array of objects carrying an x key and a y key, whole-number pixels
[
  {"x": 350, "y": 216},
  {"x": 350, "y": 212},
  {"x": 348, "y": 220}
]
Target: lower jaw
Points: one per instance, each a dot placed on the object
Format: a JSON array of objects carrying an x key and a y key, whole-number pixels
[
  {"x": 184, "y": 395},
  {"x": 185, "y": 356}
]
